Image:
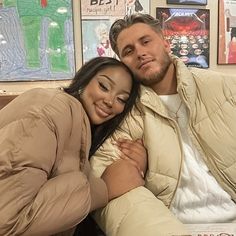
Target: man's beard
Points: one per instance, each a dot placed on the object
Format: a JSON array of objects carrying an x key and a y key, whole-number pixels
[{"x": 156, "y": 77}]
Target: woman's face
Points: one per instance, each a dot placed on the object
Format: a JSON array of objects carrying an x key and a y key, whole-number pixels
[{"x": 106, "y": 94}]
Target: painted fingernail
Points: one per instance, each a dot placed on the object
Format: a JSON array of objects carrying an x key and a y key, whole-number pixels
[
  {"x": 113, "y": 142},
  {"x": 142, "y": 174}
]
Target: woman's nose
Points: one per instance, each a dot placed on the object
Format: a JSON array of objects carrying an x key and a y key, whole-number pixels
[{"x": 109, "y": 101}]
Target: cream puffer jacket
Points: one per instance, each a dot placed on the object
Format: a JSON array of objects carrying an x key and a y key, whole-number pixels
[
  {"x": 45, "y": 183},
  {"x": 211, "y": 101}
]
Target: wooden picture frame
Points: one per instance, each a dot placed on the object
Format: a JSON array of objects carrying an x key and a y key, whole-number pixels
[
  {"x": 187, "y": 2},
  {"x": 226, "y": 48},
  {"x": 187, "y": 31}
]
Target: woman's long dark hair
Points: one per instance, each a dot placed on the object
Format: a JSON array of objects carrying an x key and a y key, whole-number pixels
[{"x": 83, "y": 76}]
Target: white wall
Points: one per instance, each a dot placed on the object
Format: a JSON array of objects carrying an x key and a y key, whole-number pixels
[{"x": 17, "y": 87}]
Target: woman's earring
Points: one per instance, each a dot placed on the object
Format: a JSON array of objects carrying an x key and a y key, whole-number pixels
[{"x": 80, "y": 91}]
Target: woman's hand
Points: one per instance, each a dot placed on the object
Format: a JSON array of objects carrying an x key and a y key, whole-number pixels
[
  {"x": 135, "y": 152},
  {"x": 121, "y": 177}
]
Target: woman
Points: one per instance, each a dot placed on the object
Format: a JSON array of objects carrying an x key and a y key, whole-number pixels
[{"x": 45, "y": 137}]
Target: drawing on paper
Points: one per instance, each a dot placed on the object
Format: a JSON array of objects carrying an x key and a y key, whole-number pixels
[{"x": 36, "y": 40}]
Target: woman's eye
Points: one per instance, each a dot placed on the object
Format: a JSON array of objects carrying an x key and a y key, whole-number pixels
[
  {"x": 122, "y": 100},
  {"x": 103, "y": 87}
]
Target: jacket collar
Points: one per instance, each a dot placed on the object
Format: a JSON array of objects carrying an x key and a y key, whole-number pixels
[
  {"x": 186, "y": 86},
  {"x": 151, "y": 100},
  {"x": 184, "y": 80}
]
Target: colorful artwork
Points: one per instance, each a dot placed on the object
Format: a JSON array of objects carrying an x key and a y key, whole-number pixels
[
  {"x": 97, "y": 17},
  {"x": 96, "y": 39},
  {"x": 187, "y": 31},
  {"x": 36, "y": 40},
  {"x": 227, "y": 32}
]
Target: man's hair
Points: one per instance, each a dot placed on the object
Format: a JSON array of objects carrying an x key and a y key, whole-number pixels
[{"x": 129, "y": 20}]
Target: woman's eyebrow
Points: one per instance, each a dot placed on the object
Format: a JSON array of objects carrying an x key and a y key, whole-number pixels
[
  {"x": 113, "y": 82},
  {"x": 107, "y": 77}
]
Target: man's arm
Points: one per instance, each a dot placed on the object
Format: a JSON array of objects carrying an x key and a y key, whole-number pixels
[
  {"x": 109, "y": 152},
  {"x": 138, "y": 212}
]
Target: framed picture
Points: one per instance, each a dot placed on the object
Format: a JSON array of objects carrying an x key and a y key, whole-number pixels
[
  {"x": 187, "y": 31},
  {"x": 96, "y": 19},
  {"x": 187, "y": 2},
  {"x": 226, "y": 32},
  {"x": 39, "y": 44}
]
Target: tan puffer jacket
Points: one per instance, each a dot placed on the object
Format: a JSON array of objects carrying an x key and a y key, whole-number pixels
[
  {"x": 211, "y": 101},
  {"x": 45, "y": 183}
]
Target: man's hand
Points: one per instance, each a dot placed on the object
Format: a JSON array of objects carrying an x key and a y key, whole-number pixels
[
  {"x": 135, "y": 152},
  {"x": 121, "y": 177}
]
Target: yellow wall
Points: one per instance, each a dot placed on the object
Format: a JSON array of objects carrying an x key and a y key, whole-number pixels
[{"x": 17, "y": 87}]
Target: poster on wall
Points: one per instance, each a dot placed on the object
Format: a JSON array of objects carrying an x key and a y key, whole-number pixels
[
  {"x": 36, "y": 40},
  {"x": 226, "y": 32},
  {"x": 187, "y": 2},
  {"x": 187, "y": 31},
  {"x": 96, "y": 19}
]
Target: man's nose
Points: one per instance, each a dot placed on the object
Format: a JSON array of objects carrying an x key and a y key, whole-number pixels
[{"x": 140, "y": 50}]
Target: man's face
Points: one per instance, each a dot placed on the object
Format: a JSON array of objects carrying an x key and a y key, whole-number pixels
[{"x": 145, "y": 52}]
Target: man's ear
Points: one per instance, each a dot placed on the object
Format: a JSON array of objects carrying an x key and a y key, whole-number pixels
[{"x": 167, "y": 45}]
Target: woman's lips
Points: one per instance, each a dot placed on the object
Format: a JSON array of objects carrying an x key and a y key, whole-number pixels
[{"x": 102, "y": 111}]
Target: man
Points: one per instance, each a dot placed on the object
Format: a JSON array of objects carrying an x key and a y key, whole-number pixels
[{"x": 186, "y": 118}]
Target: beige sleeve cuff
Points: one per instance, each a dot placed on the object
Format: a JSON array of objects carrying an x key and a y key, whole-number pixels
[{"x": 98, "y": 192}]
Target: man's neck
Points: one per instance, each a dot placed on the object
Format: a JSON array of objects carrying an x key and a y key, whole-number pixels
[{"x": 168, "y": 85}]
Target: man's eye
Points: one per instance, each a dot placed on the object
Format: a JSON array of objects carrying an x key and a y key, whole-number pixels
[
  {"x": 127, "y": 52},
  {"x": 103, "y": 87}
]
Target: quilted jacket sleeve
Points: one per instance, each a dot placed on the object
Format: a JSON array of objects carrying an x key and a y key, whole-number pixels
[
  {"x": 137, "y": 212},
  {"x": 43, "y": 189},
  {"x": 108, "y": 152}
]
